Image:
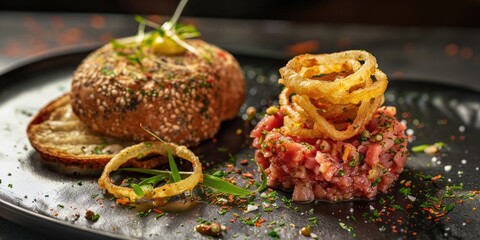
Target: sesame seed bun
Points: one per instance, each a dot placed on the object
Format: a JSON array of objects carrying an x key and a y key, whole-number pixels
[{"x": 181, "y": 98}]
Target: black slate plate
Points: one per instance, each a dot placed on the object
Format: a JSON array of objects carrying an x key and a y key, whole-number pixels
[{"x": 37, "y": 197}]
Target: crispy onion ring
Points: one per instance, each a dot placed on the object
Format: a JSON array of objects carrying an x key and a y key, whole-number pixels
[
  {"x": 330, "y": 95},
  {"x": 158, "y": 194},
  {"x": 298, "y": 73}
]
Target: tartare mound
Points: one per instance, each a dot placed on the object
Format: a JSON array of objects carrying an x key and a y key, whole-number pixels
[{"x": 325, "y": 169}]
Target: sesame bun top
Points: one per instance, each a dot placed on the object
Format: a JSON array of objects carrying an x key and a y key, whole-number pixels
[{"x": 181, "y": 98}]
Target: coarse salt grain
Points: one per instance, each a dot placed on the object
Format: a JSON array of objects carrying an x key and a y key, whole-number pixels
[
  {"x": 434, "y": 159},
  {"x": 251, "y": 208},
  {"x": 409, "y": 132},
  {"x": 411, "y": 198},
  {"x": 464, "y": 161},
  {"x": 461, "y": 128},
  {"x": 447, "y": 168}
]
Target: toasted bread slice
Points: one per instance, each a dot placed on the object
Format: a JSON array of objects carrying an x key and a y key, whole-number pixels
[{"x": 62, "y": 139}]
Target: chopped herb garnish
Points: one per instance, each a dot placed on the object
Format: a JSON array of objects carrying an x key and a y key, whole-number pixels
[
  {"x": 145, "y": 213},
  {"x": 159, "y": 215},
  {"x": 222, "y": 211},
  {"x": 377, "y": 181},
  {"x": 352, "y": 162},
  {"x": 287, "y": 202},
  {"x": 274, "y": 233},
  {"x": 313, "y": 221},
  {"x": 251, "y": 221},
  {"x": 405, "y": 191},
  {"x": 348, "y": 228}
]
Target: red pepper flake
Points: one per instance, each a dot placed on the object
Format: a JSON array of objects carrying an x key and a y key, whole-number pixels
[
  {"x": 148, "y": 75},
  {"x": 157, "y": 210},
  {"x": 210, "y": 79},
  {"x": 222, "y": 54},
  {"x": 260, "y": 222},
  {"x": 244, "y": 162},
  {"x": 435, "y": 178},
  {"x": 406, "y": 114},
  {"x": 247, "y": 175}
]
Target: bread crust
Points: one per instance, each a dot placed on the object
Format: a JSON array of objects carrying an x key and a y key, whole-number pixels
[
  {"x": 60, "y": 137},
  {"x": 182, "y": 98}
]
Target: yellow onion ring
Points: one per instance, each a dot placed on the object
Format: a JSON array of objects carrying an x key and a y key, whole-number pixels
[
  {"x": 158, "y": 193},
  {"x": 298, "y": 72},
  {"x": 321, "y": 108}
]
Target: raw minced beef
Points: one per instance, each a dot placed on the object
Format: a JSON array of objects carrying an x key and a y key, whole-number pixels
[{"x": 324, "y": 169}]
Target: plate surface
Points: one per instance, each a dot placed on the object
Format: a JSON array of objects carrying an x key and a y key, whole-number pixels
[{"x": 38, "y": 197}]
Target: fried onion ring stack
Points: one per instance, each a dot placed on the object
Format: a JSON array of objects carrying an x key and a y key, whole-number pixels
[{"x": 330, "y": 95}]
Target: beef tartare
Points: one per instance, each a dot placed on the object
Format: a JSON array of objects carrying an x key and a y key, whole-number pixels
[{"x": 360, "y": 159}]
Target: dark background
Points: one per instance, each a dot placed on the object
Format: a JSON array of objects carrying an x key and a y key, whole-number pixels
[{"x": 461, "y": 13}]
